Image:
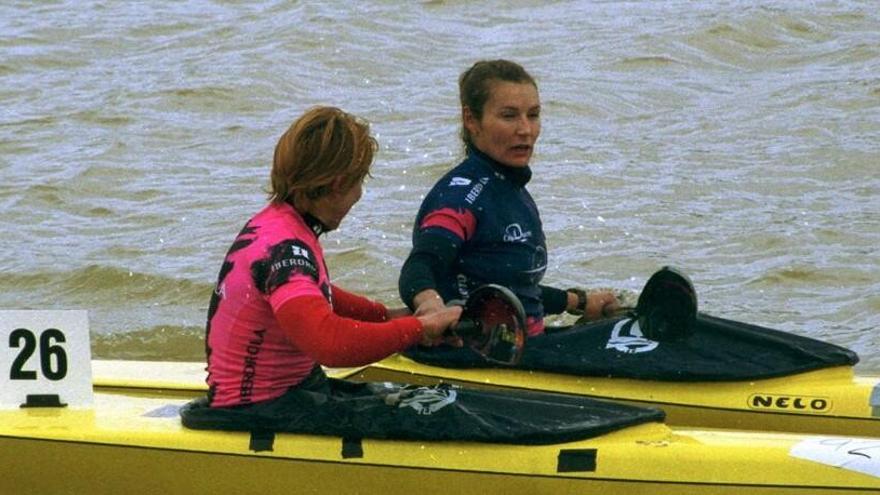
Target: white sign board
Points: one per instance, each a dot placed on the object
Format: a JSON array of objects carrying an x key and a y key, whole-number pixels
[
  {"x": 45, "y": 359},
  {"x": 855, "y": 454}
]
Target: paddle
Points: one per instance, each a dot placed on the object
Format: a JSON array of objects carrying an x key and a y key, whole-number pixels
[
  {"x": 667, "y": 306},
  {"x": 493, "y": 323}
]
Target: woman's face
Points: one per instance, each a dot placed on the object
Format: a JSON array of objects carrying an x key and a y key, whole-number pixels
[
  {"x": 510, "y": 125},
  {"x": 331, "y": 208}
]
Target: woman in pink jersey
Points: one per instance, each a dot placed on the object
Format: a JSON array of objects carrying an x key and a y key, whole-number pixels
[{"x": 275, "y": 316}]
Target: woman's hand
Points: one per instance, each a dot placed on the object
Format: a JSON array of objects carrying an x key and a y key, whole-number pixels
[
  {"x": 427, "y": 302},
  {"x": 591, "y": 306},
  {"x": 436, "y": 318},
  {"x": 436, "y": 322},
  {"x": 600, "y": 304}
]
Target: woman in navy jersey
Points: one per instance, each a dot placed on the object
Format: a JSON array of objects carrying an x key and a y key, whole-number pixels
[{"x": 479, "y": 224}]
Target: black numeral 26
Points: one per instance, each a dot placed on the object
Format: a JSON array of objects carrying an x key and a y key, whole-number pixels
[{"x": 53, "y": 369}]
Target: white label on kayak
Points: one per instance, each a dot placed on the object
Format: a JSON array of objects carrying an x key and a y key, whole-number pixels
[
  {"x": 45, "y": 359},
  {"x": 855, "y": 454}
]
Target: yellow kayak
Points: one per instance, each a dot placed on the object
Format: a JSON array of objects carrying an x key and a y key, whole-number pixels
[
  {"x": 827, "y": 401},
  {"x": 720, "y": 373},
  {"x": 132, "y": 441}
]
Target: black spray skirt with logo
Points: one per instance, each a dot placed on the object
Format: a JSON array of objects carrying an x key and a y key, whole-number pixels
[
  {"x": 327, "y": 406},
  {"x": 718, "y": 350}
]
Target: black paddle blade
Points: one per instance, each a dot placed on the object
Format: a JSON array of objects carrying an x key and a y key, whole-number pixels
[
  {"x": 667, "y": 307},
  {"x": 493, "y": 323}
]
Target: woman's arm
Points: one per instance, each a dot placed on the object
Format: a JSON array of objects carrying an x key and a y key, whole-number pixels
[
  {"x": 593, "y": 305},
  {"x": 555, "y": 301},
  {"x": 433, "y": 254},
  {"x": 351, "y": 305},
  {"x": 333, "y": 340}
]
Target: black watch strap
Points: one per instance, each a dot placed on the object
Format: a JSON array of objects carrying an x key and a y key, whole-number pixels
[{"x": 581, "y": 307}]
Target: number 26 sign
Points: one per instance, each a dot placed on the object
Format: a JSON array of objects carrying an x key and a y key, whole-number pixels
[{"x": 45, "y": 359}]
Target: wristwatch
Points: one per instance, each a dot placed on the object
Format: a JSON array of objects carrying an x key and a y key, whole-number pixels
[{"x": 581, "y": 307}]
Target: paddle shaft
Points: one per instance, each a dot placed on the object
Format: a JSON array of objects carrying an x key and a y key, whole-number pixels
[{"x": 467, "y": 327}]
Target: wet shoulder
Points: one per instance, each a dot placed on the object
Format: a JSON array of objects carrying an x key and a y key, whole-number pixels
[
  {"x": 464, "y": 185},
  {"x": 277, "y": 223}
]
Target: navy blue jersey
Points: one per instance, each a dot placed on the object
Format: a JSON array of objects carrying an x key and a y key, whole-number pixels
[{"x": 484, "y": 210}]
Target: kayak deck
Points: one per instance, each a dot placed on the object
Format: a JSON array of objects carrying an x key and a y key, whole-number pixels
[
  {"x": 850, "y": 403},
  {"x": 133, "y": 442},
  {"x": 829, "y": 401}
]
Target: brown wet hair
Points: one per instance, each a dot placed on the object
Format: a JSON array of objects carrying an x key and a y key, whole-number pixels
[{"x": 323, "y": 145}]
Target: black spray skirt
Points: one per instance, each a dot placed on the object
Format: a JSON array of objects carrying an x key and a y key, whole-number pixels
[
  {"x": 351, "y": 410},
  {"x": 718, "y": 350}
]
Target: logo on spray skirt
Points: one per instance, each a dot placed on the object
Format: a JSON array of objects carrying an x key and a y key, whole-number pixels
[
  {"x": 423, "y": 400},
  {"x": 627, "y": 337}
]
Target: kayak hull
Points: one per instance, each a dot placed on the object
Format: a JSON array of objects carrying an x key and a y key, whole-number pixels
[
  {"x": 132, "y": 441},
  {"x": 127, "y": 444},
  {"x": 115, "y": 470}
]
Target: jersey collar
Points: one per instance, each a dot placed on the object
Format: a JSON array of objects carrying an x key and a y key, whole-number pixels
[
  {"x": 518, "y": 175},
  {"x": 311, "y": 221},
  {"x": 314, "y": 224}
]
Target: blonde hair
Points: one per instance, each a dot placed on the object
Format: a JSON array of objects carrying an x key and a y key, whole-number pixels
[{"x": 323, "y": 145}]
